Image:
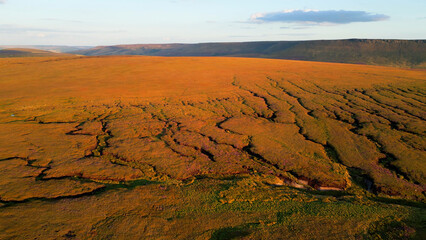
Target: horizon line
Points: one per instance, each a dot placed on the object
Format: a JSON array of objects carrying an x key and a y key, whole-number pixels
[{"x": 182, "y": 43}]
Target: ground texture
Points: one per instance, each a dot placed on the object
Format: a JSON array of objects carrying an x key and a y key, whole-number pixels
[{"x": 210, "y": 148}]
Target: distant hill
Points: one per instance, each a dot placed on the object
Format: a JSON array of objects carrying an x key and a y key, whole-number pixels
[
  {"x": 402, "y": 53},
  {"x": 52, "y": 48},
  {"x": 27, "y": 52}
]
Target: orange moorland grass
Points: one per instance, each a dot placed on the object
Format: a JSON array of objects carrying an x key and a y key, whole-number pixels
[{"x": 105, "y": 127}]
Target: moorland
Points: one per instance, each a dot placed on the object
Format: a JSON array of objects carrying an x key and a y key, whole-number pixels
[{"x": 210, "y": 148}]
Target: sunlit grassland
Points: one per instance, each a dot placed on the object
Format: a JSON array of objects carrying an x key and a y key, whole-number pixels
[{"x": 210, "y": 148}]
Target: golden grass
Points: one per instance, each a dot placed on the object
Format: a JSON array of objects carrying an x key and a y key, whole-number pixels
[{"x": 71, "y": 126}]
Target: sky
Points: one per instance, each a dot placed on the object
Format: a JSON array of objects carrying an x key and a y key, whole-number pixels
[{"x": 111, "y": 22}]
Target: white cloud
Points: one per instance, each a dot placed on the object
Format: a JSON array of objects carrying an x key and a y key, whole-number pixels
[{"x": 312, "y": 16}]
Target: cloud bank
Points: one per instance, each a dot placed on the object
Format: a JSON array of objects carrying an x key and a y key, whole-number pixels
[
  {"x": 2, "y": 1},
  {"x": 317, "y": 17}
]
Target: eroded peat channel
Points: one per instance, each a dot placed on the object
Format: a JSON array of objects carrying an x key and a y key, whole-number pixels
[{"x": 210, "y": 148}]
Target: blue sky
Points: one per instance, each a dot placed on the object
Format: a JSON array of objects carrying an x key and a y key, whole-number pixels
[{"x": 108, "y": 22}]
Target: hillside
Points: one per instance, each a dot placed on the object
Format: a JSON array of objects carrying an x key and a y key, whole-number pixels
[
  {"x": 52, "y": 48},
  {"x": 26, "y": 52},
  {"x": 401, "y": 53},
  {"x": 210, "y": 148}
]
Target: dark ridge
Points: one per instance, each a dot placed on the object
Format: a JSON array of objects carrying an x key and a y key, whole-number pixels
[{"x": 401, "y": 53}]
